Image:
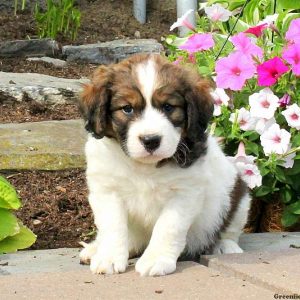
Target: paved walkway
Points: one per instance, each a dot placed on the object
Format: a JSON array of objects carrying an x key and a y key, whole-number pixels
[{"x": 270, "y": 265}]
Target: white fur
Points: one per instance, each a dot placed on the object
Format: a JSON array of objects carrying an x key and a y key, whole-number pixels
[{"x": 168, "y": 208}]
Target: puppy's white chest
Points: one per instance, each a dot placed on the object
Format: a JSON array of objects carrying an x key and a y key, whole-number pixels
[{"x": 145, "y": 198}]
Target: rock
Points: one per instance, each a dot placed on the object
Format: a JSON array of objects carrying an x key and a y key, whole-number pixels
[
  {"x": 110, "y": 52},
  {"x": 58, "y": 63},
  {"x": 36, "y": 222},
  {"x": 58, "y": 145},
  {"x": 29, "y": 48},
  {"x": 41, "y": 88}
]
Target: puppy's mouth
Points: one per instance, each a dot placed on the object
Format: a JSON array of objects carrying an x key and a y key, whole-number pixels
[{"x": 149, "y": 158}]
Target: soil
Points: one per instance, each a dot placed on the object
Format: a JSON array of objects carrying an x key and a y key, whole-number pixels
[
  {"x": 55, "y": 207},
  {"x": 101, "y": 20}
]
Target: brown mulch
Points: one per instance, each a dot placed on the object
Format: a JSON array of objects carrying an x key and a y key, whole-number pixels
[
  {"x": 71, "y": 70},
  {"x": 102, "y": 20},
  {"x": 55, "y": 207},
  {"x": 31, "y": 111}
]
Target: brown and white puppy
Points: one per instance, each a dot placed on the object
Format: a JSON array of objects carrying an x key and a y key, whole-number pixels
[{"x": 158, "y": 184}]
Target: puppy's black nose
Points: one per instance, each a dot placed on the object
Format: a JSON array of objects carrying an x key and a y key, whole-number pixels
[{"x": 151, "y": 142}]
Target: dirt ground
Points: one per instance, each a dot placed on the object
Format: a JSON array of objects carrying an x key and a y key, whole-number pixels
[
  {"x": 101, "y": 20},
  {"x": 55, "y": 207}
]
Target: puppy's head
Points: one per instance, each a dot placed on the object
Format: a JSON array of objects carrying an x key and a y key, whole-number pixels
[{"x": 154, "y": 109}]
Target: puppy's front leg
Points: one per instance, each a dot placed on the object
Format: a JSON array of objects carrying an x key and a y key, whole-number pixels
[
  {"x": 168, "y": 238},
  {"x": 112, "y": 239}
]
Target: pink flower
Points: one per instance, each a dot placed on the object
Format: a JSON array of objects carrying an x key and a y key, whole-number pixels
[
  {"x": 198, "y": 42},
  {"x": 182, "y": 21},
  {"x": 293, "y": 33},
  {"x": 292, "y": 56},
  {"x": 257, "y": 30},
  {"x": 275, "y": 140},
  {"x": 178, "y": 61},
  {"x": 284, "y": 100},
  {"x": 270, "y": 71},
  {"x": 244, "y": 45},
  {"x": 233, "y": 71}
]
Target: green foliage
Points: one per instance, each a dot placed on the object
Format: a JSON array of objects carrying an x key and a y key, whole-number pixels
[
  {"x": 13, "y": 234},
  {"x": 61, "y": 17},
  {"x": 277, "y": 180}
]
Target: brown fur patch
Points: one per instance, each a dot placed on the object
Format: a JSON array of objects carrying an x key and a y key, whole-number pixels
[{"x": 239, "y": 191}]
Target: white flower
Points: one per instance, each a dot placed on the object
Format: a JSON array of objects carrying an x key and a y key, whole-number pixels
[
  {"x": 246, "y": 167},
  {"x": 288, "y": 161},
  {"x": 244, "y": 119},
  {"x": 217, "y": 12},
  {"x": 220, "y": 98},
  {"x": 250, "y": 174},
  {"x": 275, "y": 140},
  {"x": 263, "y": 104},
  {"x": 182, "y": 21},
  {"x": 269, "y": 19},
  {"x": 292, "y": 116},
  {"x": 263, "y": 124}
]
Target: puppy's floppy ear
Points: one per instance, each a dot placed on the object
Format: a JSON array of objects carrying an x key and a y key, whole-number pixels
[
  {"x": 199, "y": 109},
  {"x": 94, "y": 102}
]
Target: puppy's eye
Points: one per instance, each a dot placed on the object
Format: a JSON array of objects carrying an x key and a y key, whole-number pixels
[
  {"x": 127, "y": 110},
  {"x": 167, "y": 107}
]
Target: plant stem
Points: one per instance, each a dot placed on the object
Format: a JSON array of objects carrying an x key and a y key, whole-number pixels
[{"x": 233, "y": 27}]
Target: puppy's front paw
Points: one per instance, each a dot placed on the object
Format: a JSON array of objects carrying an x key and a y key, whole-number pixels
[
  {"x": 155, "y": 265},
  {"x": 109, "y": 262},
  {"x": 227, "y": 246}
]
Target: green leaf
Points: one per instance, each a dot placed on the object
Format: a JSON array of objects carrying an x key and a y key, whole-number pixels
[
  {"x": 8, "y": 195},
  {"x": 296, "y": 140},
  {"x": 8, "y": 225},
  {"x": 288, "y": 219},
  {"x": 24, "y": 239},
  {"x": 251, "y": 147},
  {"x": 294, "y": 208},
  {"x": 295, "y": 170},
  {"x": 279, "y": 174},
  {"x": 289, "y": 4},
  {"x": 286, "y": 195},
  {"x": 263, "y": 190}
]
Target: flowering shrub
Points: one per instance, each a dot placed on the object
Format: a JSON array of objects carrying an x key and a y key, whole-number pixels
[{"x": 251, "y": 49}]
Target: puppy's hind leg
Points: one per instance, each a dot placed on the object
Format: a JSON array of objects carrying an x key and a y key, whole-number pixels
[
  {"x": 87, "y": 252},
  {"x": 229, "y": 238}
]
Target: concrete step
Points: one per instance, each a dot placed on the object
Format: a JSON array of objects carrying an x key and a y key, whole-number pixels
[
  {"x": 38, "y": 87},
  {"x": 51, "y": 145},
  {"x": 57, "y": 274},
  {"x": 255, "y": 274}
]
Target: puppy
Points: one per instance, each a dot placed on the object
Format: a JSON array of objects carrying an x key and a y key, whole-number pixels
[{"x": 158, "y": 184}]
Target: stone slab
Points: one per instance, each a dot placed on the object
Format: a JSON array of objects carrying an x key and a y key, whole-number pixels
[
  {"x": 269, "y": 241},
  {"x": 28, "y": 48},
  {"x": 110, "y": 52},
  {"x": 38, "y": 87},
  {"x": 51, "y": 145},
  {"x": 69, "y": 280},
  {"x": 277, "y": 271}
]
